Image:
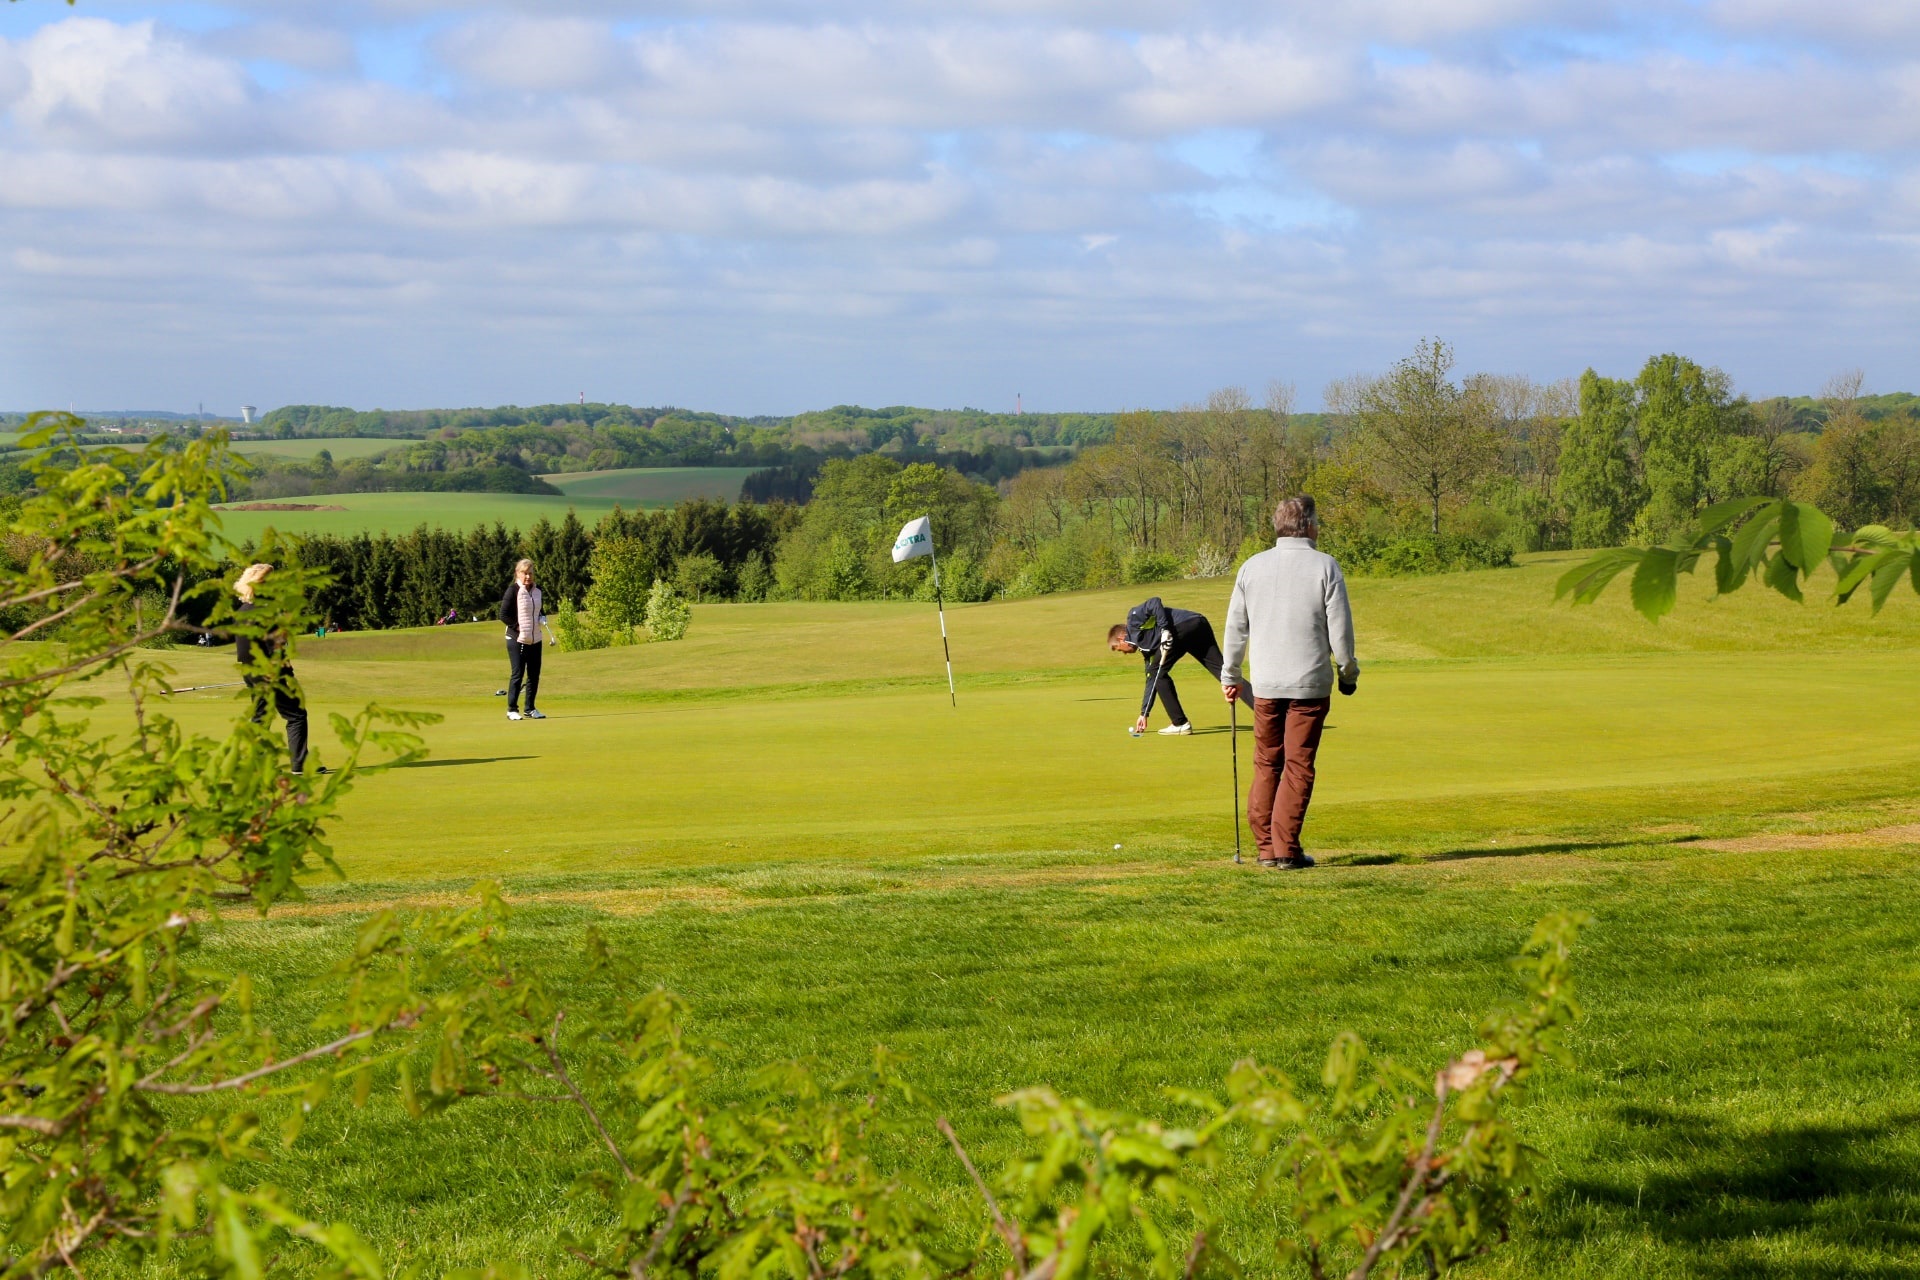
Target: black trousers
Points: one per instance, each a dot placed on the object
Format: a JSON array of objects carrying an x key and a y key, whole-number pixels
[
  {"x": 524, "y": 663},
  {"x": 279, "y": 695},
  {"x": 1196, "y": 641}
]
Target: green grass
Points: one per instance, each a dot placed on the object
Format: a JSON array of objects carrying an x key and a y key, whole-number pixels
[
  {"x": 781, "y": 817},
  {"x": 352, "y": 513},
  {"x": 306, "y": 447},
  {"x": 652, "y": 486}
]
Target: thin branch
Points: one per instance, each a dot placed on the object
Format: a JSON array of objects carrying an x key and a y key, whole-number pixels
[
  {"x": 262, "y": 1072},
  {"x": 1421, "y": 1166},
  {"x": 34, "y": 1124},
  {"x": 1198, "y": 1247},
  {"x": 1015, "y": 1244},
  {"x": 560, "y": 1074}
]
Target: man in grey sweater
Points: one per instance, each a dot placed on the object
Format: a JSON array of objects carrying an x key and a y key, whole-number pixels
[{"x": 1289, "y": 614}]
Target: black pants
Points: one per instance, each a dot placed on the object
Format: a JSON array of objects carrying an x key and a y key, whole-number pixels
[
  {"x": 1194, "y": 641},
  {"x": 524, "y": 661},
  {"x": 280, "y": 695}
]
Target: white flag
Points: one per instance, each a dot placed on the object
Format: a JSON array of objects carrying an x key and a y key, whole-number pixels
[{"x": 916, "y": 539}]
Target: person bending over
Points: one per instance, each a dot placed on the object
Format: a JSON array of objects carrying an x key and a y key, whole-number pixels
[
  {"x": 520, "y": 615},
  {"x": 278, "y": 691},
  {"x": 1164, "y": 636},
  {"x": 1289, "y": 613}
]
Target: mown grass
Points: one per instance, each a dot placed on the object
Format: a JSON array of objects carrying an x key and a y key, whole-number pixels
[
  {"x": 781, "y": 818},
  {"x": 351, "y": 513},
  {"x": 653, "y": 486}
]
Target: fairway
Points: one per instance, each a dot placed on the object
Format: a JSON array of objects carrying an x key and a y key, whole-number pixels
[
  {"x": 782, "y": 817},
  {"x": 350, "y": 513},
  {"x": 651, "y": 487}
]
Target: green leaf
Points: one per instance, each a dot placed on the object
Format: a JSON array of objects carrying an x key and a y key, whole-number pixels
[
  {"x": 1656, "y": 583},
  {"x": 1783, "y": 577},
  {"x": 1750, "y": 542},
  {"x": 1721, "y": 514},
  {"x": 1587, "y": 580},
  {"x": 1887, "y": 575},
  {"x": 1806, "y": 534}
]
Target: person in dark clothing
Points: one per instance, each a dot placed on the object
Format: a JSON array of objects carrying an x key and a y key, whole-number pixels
[
  {"x": 277, "y": 692},
  {"x": 1163, "y": 636},
  {"x": 520, "y": 615}
]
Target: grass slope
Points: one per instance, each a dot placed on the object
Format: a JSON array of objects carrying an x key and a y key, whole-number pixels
[
  {"x": 400, "y": 512},
  {"x": 306, "y": 447},
  {"x": 652, "y": 486},
  {"x": 781, "y": 817}
]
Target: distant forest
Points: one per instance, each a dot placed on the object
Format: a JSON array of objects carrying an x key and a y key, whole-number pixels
[{"x": 1417, "y": 469}]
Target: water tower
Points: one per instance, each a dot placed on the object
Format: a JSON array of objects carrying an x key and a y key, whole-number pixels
[{"x": 246, "y": 413}]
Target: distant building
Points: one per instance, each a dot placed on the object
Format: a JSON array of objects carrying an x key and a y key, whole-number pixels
[{"x": 246, "y": 412}]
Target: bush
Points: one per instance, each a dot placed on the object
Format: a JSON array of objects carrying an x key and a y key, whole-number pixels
[
  {"x": 570, "y": 634},
  {"x": 755, "y": 580},
  {"x": 621, "y": 567},
  {"x": 667, "y": 614},
  {"x": 1151, "y": 566},
  {"x": 1210, "y": 561},
  {"x": 700, "y": 576}
]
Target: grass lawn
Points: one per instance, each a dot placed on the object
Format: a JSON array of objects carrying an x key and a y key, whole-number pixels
[
  {"x": 652, "y": 486},
  {"x": 350, "y": 513},
  {"x": 782, "y": 818}
]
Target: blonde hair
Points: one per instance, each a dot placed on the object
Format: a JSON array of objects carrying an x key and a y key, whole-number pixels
[
  {"x": 524, "y": 564},
  {"x": 250, "y": 578}
]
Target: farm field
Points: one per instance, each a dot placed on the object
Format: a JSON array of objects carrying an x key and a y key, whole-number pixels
[
  {"x": 308, "y": 447},
  {"x": 351, "y": 513},
  {"x": 782, "y": 818},
  {"x": 652, "y": 486}
]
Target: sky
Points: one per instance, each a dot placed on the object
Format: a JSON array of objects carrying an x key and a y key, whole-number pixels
[{"x": 763, "y": 206}]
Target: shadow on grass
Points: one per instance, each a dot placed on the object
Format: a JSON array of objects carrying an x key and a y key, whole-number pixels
[
  {"x": 1722, "y": 1191},
  {"x": 460, "y": 760},
  {"x": 1551, "y": 846}
]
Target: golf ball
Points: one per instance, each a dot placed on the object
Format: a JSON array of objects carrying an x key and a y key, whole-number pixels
[{"x": 1116, "y": 846}]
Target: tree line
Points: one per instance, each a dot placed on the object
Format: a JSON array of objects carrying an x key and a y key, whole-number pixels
[{"x": 708, "y": 550}]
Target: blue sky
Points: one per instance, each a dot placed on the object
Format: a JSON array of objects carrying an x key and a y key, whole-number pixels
[{"x": 759, "y": 206}]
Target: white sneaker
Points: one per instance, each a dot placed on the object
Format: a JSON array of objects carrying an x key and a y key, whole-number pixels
[
  {"x": 513, "y": 715},
  {"x": 1176, "y": 731},
  {"x": 535, "y": 715}
]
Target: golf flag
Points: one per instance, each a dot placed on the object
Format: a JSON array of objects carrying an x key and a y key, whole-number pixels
[{"x": 916, "y": 540}]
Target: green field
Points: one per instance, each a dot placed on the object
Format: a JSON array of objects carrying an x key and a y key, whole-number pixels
[
  {"x": 308, "y": 446},
  {"x": 781, "y": 817},
  {"x": 652, "y": 486},
  {"x": 350, "y": 513}
]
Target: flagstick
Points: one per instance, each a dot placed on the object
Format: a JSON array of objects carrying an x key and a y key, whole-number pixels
[{"x": 941, "y": 604}]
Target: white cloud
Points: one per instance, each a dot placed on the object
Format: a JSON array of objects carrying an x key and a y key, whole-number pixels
[
  {"x": 764, "y": 204},
  {"x": 94, "y": 83}
]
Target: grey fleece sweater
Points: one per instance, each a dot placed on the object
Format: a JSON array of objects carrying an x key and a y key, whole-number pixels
[{"x": 1290, "y": 616}]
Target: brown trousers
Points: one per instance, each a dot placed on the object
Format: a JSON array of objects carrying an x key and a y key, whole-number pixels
[{"x": 1286, "y": 737}]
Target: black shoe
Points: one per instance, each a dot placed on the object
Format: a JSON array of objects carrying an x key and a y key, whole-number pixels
[{"x": 1300, "y": 863}]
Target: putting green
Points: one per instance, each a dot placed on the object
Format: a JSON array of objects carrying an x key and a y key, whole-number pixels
[{"x": 788, "y": 731}]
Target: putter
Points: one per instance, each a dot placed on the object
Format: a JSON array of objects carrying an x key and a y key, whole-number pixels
[
  {"x": 1233, "y": 712},
  {"x": 195, "y": 688}
]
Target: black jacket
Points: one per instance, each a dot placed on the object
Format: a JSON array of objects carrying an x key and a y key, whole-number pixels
[
  {"x": 271, "y": 645},
  {"x": 1163, "y": 636}
]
